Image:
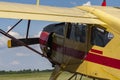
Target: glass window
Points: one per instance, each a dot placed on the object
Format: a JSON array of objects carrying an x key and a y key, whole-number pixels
[
  {"x": 59, "y": 28},
  {"x": 100, "y": 37},
  {"x": 56, "y": 28},
  {"x": 76, "y": 32}
]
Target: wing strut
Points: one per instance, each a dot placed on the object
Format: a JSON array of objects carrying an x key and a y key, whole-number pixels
[
  {"x": 14, "y": 26},
  {"x": 21, "y": 43},
  {"x": 28, "y": 26},
  {"x": 74, "y": 75},
  {"x": 56, "y": 72}
]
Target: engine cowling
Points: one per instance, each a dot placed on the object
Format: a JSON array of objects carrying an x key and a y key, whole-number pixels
[{"x": 43, "y": 38}]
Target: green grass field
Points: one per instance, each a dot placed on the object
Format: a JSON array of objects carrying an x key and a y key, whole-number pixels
[{"x": 36, "y": 76}]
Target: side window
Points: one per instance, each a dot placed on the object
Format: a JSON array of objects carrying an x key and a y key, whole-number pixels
[
  {"x": 100, "y": 37},
  {"x": 76, "y": 32},
  {"x": 59, "y": 28},
  {"x": 81, "y": 32}
]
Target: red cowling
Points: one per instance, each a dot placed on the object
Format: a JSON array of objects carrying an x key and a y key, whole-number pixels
[
  {"x": 43, "y": 38},
  {"x": 104, "y": 3}
]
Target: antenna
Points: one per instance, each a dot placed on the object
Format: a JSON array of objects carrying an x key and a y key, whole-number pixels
[{"x": 37, "y": 2}]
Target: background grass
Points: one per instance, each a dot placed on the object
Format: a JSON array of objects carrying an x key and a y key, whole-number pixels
[{"x": 37, "y": 76}]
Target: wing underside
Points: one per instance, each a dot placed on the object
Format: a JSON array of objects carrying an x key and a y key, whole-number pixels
[
  {"x": 59, "y": 14},
  {"x": 46, "y": 13}
]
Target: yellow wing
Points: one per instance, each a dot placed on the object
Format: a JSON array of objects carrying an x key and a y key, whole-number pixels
[
  {"x": 109, "y": 15},
  {"x": 97, "y": 66},
  {"x": 82, "y": 14},
  {"x": 47, "y": 13}
]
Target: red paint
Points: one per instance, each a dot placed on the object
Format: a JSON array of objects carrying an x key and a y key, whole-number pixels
[
  {"x": 96, "y": 51},
  {"x": 43, "y": 38},
  {"x": 69, "y": 51},
  {"x": 99, "y": 59},
  {"x": 104, "y": 3},
  {"x": 103, "y": 60}
]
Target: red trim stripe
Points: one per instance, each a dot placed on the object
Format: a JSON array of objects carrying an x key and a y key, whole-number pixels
[
  {"x": 96, "y": 51},
  {"x": 68, "y": 51},
  {"x": 103, "y": 60},
  {"x": 99, "y": 59}
]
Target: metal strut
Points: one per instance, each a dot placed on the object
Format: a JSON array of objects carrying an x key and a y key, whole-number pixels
[
  {"x": 14, "y": 26},
  {"x": 75, "y": 77},
  {"x": 25, "y": 45},
  {"x": 81, "y": 77},
  {"x": 19, "y": 42},
  {"x": 28, "y": 26}
]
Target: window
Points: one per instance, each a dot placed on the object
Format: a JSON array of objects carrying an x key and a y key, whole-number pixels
[
  {"x": 76, "y": 32},
  {"x": 59, "y": 28},
  {"x": 56, "y": 28},
  {"x": 100, "y": 37}
]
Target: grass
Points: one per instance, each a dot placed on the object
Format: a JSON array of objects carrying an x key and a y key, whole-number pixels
[
  {"x": 36, "y": 76},
  {"x": 26, "y": 76}
]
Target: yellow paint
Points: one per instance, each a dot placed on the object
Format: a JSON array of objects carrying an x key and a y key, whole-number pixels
[
  {"x": 112, "y": 49},
  {"x": 37, "y": 2},
  {"x": 9, "y": 44},
  {"x": 99, "y": 71},
  {"x": 108, "y": 17},
  {"x": 46, "y": 13}
]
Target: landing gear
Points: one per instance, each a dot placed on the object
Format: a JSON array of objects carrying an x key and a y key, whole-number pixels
[{"x": 75, "y": 77}]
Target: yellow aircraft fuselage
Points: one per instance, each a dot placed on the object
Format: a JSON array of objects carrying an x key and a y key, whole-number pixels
[
  {"x": 89, "y": 42},
  {"x": 88, "y": 49}
]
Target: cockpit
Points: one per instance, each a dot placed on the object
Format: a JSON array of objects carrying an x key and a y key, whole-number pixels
[{"x": 98, "y": 35}]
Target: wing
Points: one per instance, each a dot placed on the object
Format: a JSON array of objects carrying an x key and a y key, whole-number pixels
[
  {"x": 47, "y": 13},
  {"x": 109, "y": 15}
]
